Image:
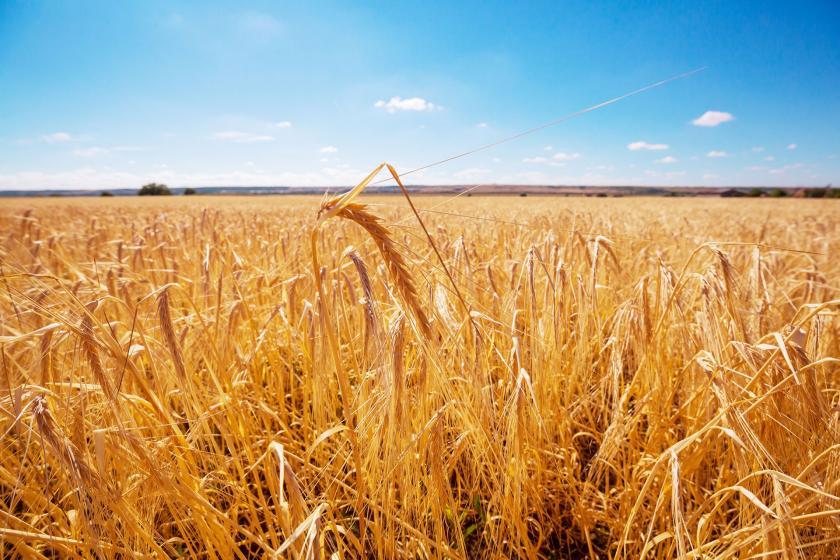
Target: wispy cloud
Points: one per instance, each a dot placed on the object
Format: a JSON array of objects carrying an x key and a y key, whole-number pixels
[
  {"x": 482, "y": 125},
  {"x": 792, "y": 146},
  {"x": 642, "y": 145},
  {"x": 713, "y": 118},
  {"x": 785, "y": 168},
  {"x": 397, "y": 103},
  {"x": 328, "y": 150},
  {"x": 57, "y": 137},
  {"x": 667, "y": 159},
  {"x": 283, "y": 124},
  {"x": 95, "y": 151},
  {"x": 758, "y": 149},
  {"x": 259, "y": 25},
  {"x": 556, "y": 160},
  {"x": 472, "y": 174},
  {"x": 128, "y": 148},
  {"x": 770, "y": 158},
  {"x": 710, "y": 176},
  {"x": 717, "y": 154},
  {"x": 242, "y": 137},
  {"x": 90, "y": 152},
  {"x": 668, "y": 175}
]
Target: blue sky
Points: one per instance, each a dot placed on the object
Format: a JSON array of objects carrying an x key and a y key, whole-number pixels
[{"x": 116, "y": 94}]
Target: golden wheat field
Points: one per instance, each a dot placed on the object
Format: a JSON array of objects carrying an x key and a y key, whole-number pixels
[{"x": 295, "y": 377}]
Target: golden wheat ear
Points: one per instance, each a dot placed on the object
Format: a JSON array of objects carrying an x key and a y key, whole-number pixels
[{"x": 394, "y": 261}]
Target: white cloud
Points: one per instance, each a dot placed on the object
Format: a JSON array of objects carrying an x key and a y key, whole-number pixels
[
  {"x": 56, "y": 137},
  {"x": 642, "y": 145},
  {"x": 409, "y": 104},
  {"x": 792, "y": 146},
  {"x": 758, "y": 149},
  {"x": 713, "y": 118},
  {"x": 328, "y": 150},
  {"x": 717, "y": 154},
  {"x": 710, "y": 176},
  {"x": 557, "y": 160},
  {"x": 283, "y": 124},
  {"x": 770, "y": 158},
  {"x": 548, "y": 148},
  {"x": 667, "y": 159},
  {"x": 482, "y": 125},
  {"x": 242, "y": 137},
  {"x": 90, "y": 152}
]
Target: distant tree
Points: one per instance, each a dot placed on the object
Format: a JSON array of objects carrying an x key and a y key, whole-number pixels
[
  {"x": 154, "y": 189},
  {"x": 106, "y": 193},
  {"x": 189, "y": 191},
  {"x": 778, "y": 193},
  {"x": 523, "y": 194},
  {"x": 756, "y": 192},
  {"x": 816, "y": 193}
]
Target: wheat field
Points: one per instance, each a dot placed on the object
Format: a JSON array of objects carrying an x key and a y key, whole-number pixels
[{"x": 295, "y": 377}]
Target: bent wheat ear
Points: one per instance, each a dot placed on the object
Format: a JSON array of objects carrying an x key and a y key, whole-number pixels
[{"x": 394, "y": 261}]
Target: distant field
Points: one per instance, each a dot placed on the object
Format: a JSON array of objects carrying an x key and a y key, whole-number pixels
[{"x": 555, "y": 377}]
